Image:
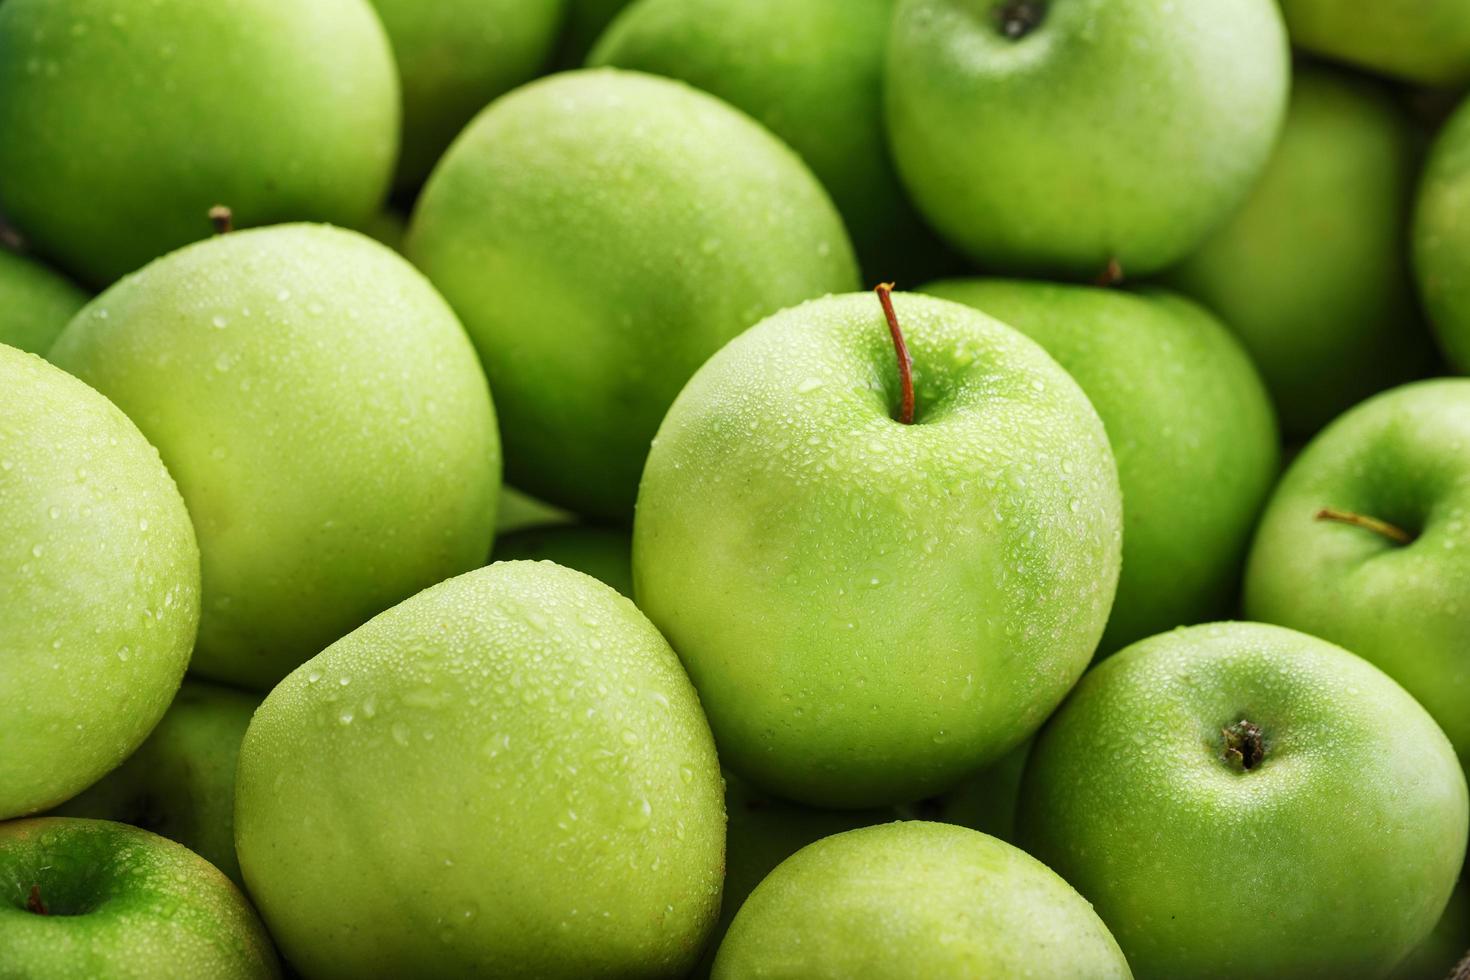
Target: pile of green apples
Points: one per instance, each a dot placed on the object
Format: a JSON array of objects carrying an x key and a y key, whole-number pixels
[{"x": 992, "y": 489}]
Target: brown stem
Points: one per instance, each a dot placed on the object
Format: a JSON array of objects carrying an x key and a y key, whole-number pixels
[
  {"x": 34, "y": 903},
  {"x": 1245, "y": 746},
  {"x": 222, "y": 218},
  {"x": 1390, "y": 531},
  {"x": 1111, "y": 275},
  {"x": 905, "y": 362},
  {"x": 1461, "y": 972}
]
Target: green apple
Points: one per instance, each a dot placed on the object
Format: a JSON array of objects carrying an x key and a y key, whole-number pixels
[
  {"x": 180, "y": 783},
  {"x": 386, "y": 226},
  {"x": 91, "y": 898},
  {"x": 99, "y": 585},
  {"x": 1244, "y": 800},
  {"x": 985, "y": 802},
  {"x": 601, "y": 233},
  {"x": 605, "y": 553},
  {"x": 126, "y": 122},
  {"x": 1190, "y": 425},
  {"x": 1441, "y": 240},
  {"x": 586, "y": 20},
  {"x": 326, "y": 420},
  {"x": 1422, "y": 41},
  {"x": 1063, "y": 136},
  {"x": 1366, "y": 543},
  {"x": 35, "y": 303},
  {"x": 506, "y": 775},
  {"x": 455, "y": 57},
  {"x": 1312, "y": 273},
  {"x": 517, "y": 510},
  {"x": 816, "y": 81},
  {"x": 1449, "y": 944},
  {"x": 872, "y": 611},
  {"x": 916, "y": 899}
]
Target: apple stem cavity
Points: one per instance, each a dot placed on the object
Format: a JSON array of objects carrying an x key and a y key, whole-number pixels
[
  {"x": 222, "y": 218},
  {"x": 1111, "y": 275},
  {"x": 1245, "y": 747},
  {"x": 34, "y": 903},
  {"x": 1394, "y": 533},
  {"x": 905, "y": 362},
  {"x": 1018, "y": 18}
]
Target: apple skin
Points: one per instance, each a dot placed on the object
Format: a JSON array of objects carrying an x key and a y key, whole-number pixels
[
  {"x": 1402, "y": 457},
  {"x": 1441, "y": 240},
  {"x": 601, "y": 233},
  {"x": 35, "y": 303},
  {"x": 454, "y": 58},
  {"x": 99, "y": 573},
  {"x": 1312, "y": 272},
  {"x": 915, "y": 899},
  {"x": 816, "y": 82},
  {"x": 125, "y": 122},
  {"x": 180, "y": 783},
  {"x": 506, "y": 775},
  {"x": 1436, "y": 957},
  {"x": 926, "y": 593},
  {"x": 1190, "y": 424},
  {"x": 985, "y": 802},
  {"x": 1421, "y": 41},
  {"x": 605, "y": 553},
  {"x": 325, "y": 418},
  {"x": 122, "y": 903},
  {"x": 1332, "y": 857},
  {"x": 1113, "y": 130}
]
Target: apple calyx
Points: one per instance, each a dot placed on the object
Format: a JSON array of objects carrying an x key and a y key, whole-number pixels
[
  {"x": 1020, "y": 17},
  {"x": 34, "y": 903},
  {"x": 1245, "y": 748},
  {"x": 1111, "y": 275},
  {"x": 905, "y": 362},
  {"x": 1393, "y": 532},
  {"x": 222, "y": 218}
]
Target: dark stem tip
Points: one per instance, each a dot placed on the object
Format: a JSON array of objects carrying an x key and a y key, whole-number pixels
[
  {"x": 222, "y": 218},
  {"x": 34, "y": 903},
  {"x": 1245, "y": 747}
]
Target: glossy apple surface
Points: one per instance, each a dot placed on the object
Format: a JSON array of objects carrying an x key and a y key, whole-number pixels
[
  {"x": 870, "y": 610},
  {"x": 1442, "y": 237},
  {"x": 99, "y": 585},
  {"x": 601, "y": 233},
  {"x": 325, "y": 418},
  {"x": 35, "y": 303},
  {"x": 1239, "y": 799},
  {"x": 506, "y": 775}
]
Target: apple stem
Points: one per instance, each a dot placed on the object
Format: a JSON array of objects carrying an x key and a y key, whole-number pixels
[
  {"x": 905, "y": 362},
  {"x": 1244, "y": 745},
  {"x": 222, "y": 218},
  {"x": 1111, "y": 275},
  {"x": 34, "y": 903},
  {"x": 1390, "y": 531}
]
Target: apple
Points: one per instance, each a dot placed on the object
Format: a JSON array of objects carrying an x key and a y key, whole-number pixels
[
  {"x": 1312, "y": 273},
  {"x": 99, "y": 574},
  {"x": 1190, "y": 424},
  {"x": 35, "y": 303},
  {"x": 985, "y": 801},
  {"x": 916, "y": 899},
  {"x": 125, "y": 122},
  {"x": 605, "y": 553},
  {"x": 874, "y": 610},
  {"x": 1067, "y": 138},
  {"x": 1448, "y": 945},
  {"x": 325, "y": 418},
  {"x": 816, "y": 81},
  {"x": 1422, "y": 41},
  {"x": 180, "y": 783},
  {"x": 1366, "y": 542},
  {"x": 1440, "y": 239},
  {"x": 1238, "y": 799},
  {"x": 456, "y": 56},
  {"x": 91, "y": 898},
  {"x": 586, "y": 20},
  {"x": 601, "y": 233},
  {"x": 518, "y": 510},
  {"x": 506, "y": 775}
]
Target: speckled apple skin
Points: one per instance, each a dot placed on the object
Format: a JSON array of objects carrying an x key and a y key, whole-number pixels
[
  {"x": 327, "y": 422},
  {"x": 872, "y": 610},
  {"x": 35, "y": 303},
  {"x": 1332, "y": 857},
  {"x": 126, "y": 122},
  {"x": 123, "y": 903},
  {"x": 1403, "y": 457},
  {"x": 1441, "y": 237},
  {"x": 601, "y": 233},
  {"x": 99, "y": 585},
  {"x": 915, "y": 899},
  {"x": 1115, "y": 129},
  {"x": 506, "y": 775}
]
